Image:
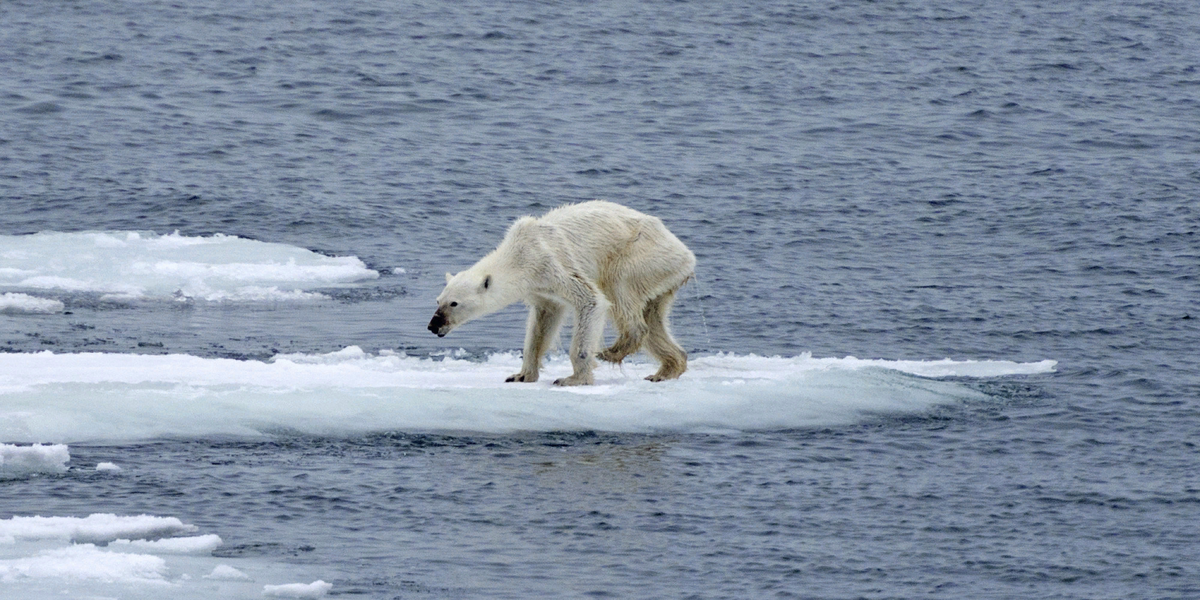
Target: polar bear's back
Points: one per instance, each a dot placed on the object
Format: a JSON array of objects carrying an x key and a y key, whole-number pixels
[
  {"x": 599, "y": 227},
  {"x": 609, "y": 241},
  {"x": 592, "y": 213},
  {"x": 613, "y": 222}
]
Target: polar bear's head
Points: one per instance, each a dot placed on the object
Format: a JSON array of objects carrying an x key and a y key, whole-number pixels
[{"x": 468, "y": 295}]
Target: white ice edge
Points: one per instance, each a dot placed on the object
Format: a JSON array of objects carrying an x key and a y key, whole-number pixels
[
  {"x": 100, "y": 528},
  {"x": 94, "y": 396},
  {"x": 197, "y": 544}
]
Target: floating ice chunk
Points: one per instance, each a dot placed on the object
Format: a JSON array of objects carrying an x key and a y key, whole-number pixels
[
  {"x": 40, "y": 561},
  {"x": 227, "y": 573},
  {"x": 108, "y": 467},
  {"x": 16, "y": 461},
  {"x": 199, "y": 544},
  {"x": 96, "y": 528},
  {"x": 16, "y": 304},
  {"x": 131, "y": 265},
  {"x": 86, "y": 562},
  {"x": 315, "y": 589}
]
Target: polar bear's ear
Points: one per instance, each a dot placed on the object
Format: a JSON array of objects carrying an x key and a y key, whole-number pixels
[
  {"x": 487, "y": 281},
  {"x": 449, "y": 277}
]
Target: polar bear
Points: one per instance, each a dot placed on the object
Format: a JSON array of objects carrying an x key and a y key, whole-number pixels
[{"x": 595, "y": 258}]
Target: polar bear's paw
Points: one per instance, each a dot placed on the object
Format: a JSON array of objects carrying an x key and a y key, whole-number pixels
[
  {"x": 576, "y": 379},
  {"x": 522, "y": 378},
  {"x": 667, "y": 372}
]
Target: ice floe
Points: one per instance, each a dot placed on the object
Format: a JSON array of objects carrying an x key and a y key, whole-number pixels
[
  {"x": 93, "y": 396},
  {"x": 19, "y": 461},
  {"x": 131, "y": 557},
  {"x": 134, "y": 265},
  {"x": 15, "y": 304}
]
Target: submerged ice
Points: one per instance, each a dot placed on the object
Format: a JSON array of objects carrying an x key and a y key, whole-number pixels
[
  {"x": 147, "y": 265},
  {"x": 92, "y": 396}
]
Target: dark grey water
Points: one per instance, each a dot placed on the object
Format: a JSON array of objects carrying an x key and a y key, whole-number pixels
[{"x": 879, "y": 179}]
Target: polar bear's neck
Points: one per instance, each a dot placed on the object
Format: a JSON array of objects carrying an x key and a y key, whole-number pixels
[{"x": 507, "y": 283}]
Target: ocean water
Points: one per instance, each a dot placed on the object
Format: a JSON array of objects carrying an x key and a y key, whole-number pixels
[{"x": 943, "y": 331}]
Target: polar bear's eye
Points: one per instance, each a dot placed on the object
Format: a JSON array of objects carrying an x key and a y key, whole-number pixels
[{"x": 453, "y": 304}]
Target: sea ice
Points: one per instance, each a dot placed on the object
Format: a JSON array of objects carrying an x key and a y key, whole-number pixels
[
  {"x": 94, "y": 396},
  {"x": 13, "y": 303},
  {"x": 227, "y": 573},
  {"x": 132, "y": 265},
  {"x": 85, "y": 562},
  {"x": 315, "y": 589},
  {"x": 199, "y": 544},
  {"x": 96, "y": 528},
  {"x": 17, "y": 461},
  {"x": 134, "y": 557}
]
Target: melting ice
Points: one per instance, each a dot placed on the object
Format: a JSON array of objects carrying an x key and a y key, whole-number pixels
[
  {"x": 132, "y": 265},
  {"x": 11, "y": 303},
  {"x": 121, "y": 397},
  {"x": 140, "y": 556},
  {"x": 62, "y": 398},
  {"x": 19, "y": 461}
]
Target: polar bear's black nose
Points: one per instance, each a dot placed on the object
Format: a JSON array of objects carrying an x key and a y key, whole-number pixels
[{"x": 437, "y": 324}]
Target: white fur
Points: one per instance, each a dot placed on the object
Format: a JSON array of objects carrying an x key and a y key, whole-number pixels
[{"x": 595, "y": 258}]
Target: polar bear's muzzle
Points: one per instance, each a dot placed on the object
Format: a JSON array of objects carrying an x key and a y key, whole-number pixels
[{"x": 439, "y": 325}]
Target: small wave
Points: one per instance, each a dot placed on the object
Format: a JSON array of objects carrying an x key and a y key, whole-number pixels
[{"x": 41, "y": 108}]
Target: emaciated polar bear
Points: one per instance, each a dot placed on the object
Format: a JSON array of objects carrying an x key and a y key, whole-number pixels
[{"x": 593, "y": 258}]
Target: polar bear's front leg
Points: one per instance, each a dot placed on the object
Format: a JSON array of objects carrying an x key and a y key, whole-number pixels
[
  {"x": 541, "y": 330},
  {"x": 590, "y": 311}
]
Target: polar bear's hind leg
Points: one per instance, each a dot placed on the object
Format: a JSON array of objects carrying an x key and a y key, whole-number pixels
[
  {"x": 659, "y": 342},
  {"x": 630, "y": 322}
]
